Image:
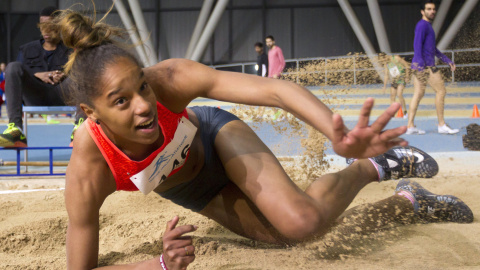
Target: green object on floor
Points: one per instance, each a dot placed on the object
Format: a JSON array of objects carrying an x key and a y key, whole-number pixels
[
  {"x": 276, "y": 115},
  {"x": 49, "y": 120}
]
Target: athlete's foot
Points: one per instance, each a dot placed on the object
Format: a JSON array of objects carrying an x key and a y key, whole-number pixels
[
  {"x": 414, "y": 131},
  {"x": 406, "y": 161},
  {"x": 445, "y": 129},
  {"x": 429, "y": 207}
]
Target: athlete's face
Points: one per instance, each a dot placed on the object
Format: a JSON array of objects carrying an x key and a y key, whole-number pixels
[
  {"x": 127, "y": 106},
  {"x": 429, "y": 12},
  {"x": 259, "y": 50}
]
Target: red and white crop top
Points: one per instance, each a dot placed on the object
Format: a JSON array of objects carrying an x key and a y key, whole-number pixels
[{"x": 173, "y": 152}]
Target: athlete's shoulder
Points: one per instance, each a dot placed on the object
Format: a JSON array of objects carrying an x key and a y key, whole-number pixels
[
  {"x": 84, "y": 145},
  {"x": 87, "y": 166}
]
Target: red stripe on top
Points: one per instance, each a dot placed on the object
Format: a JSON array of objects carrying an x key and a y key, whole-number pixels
[{"x": 121, "y": 165}]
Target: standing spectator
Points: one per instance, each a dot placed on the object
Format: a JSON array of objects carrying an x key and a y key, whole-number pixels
[
  {"x": 276, "y": 61},
  {"x": 262, "y": 60},
  {"x": 396, "y": 69},
  {"x": 35, "y": 79},
  {"x": 276, "y": 64},
  {"x": 425, "y": 71},
  {"x": 262, "y": 70}
]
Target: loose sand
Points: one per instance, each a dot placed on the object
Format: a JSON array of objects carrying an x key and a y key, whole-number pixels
[{"x": 33, "y": 225}]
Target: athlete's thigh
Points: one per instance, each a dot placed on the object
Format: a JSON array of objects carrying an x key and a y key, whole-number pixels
[
  {"x": 436, "y": 82},
  {"x": 232, "y": 209},
  {"x": 393, "y": 92},
  {"x": 419, "y": 83},
  {"x": 400, "y": 89},
  {"x": 253, "y": 168}
]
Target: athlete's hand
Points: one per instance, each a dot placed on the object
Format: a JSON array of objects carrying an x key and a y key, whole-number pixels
[
  {"x": 452, "y": 67},
  {"x": 178, "y": 251},
  {"x": 366, "y": 141}
]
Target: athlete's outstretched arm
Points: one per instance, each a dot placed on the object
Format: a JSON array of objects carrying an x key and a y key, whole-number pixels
[
  {"x": 88, "y": 182},
  {"x": 178, "y": 81}
]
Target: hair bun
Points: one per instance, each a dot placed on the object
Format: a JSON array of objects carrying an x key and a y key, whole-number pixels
[{"x": 81, "y": 32}]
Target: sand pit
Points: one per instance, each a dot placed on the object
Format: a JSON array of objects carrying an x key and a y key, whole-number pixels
[{"x": 33, "y": 225}]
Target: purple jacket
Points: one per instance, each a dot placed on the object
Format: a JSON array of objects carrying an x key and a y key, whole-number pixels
[{"x": 424, "y": 47}]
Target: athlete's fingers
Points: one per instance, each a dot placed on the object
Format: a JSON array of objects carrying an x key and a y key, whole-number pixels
[
  {"x": 385, "y": 117},
  {"x": 364, "y": 117},
  {"x": 171, "y": 224},
  {"x": 176, "y": 244},
  {"x": 189, "y": 250},
  {"x": 179, "y": 231},
  {"x": 338, "y": 129},
  {"x": 391, "y": 134},
  {"x": 397, "y": 142}
]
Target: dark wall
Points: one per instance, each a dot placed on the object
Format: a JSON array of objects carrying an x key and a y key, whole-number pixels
[{"x": 302, "y": 28}]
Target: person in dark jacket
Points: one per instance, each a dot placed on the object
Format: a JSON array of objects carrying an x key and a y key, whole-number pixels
[
  {"x": 262, "y": 60},
  {"x": 36, "y": 78}
]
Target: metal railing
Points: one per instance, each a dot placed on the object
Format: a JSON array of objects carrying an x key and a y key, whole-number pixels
[{"x": 358, "y": 63}]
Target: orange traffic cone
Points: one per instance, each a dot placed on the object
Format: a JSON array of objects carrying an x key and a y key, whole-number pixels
[
  {"x": 400, "y": 113},
  {"x": 475, "y": 112}
]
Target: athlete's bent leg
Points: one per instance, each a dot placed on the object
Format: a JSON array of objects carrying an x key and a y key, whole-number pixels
[{"x": 266, "y": 188}]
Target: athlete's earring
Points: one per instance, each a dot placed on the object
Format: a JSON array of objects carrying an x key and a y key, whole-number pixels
[{"x": 97, "y": 122}]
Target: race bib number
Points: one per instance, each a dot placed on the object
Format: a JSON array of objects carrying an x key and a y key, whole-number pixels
[
  {"x": 394, "y": 71},
  {"x": 170, "y": 158}
]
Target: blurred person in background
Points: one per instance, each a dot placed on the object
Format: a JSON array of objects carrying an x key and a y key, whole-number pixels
[
  {"x": 425, "y": 71},
  {"x": 36, "y": 78},
  {"x": 397, "y": 70},
  {"x": 262, "y": 60}
]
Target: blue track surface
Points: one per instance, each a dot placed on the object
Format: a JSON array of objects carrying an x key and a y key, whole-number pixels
[{"x": 285, "y": 144}]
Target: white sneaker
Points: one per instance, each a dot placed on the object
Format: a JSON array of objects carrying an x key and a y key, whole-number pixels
[
  {"x": 414, "y": 130},
  {"x": 405, "y": 116},
  {"x": 447, "y": 130}
]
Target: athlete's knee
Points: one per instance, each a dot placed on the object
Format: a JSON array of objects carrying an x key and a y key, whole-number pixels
[
  {"x": 419, "y": 94},
  {"x": 302, "y": 224},
  {"x": 441, "y": 92}
]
